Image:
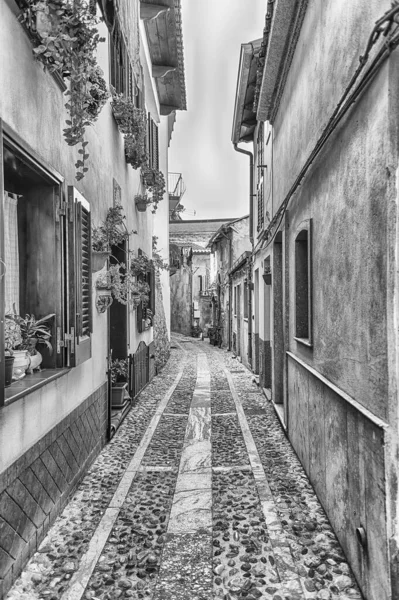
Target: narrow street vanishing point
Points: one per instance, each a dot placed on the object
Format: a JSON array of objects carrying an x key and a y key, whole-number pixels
[{"x": 198, "y": 496}]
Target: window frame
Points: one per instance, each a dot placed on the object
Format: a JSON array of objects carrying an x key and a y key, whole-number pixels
[
  {"x": 304, "y": 227},
  {"x": 10, "y": 139}
]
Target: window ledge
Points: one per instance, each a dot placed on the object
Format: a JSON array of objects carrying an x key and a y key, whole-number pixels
[
  {"x": 246, "y": 319},
  {"x": 31, "y": 383},
  {"x": 304, "y": 341}
]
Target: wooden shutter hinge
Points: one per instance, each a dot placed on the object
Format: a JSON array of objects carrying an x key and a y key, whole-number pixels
[
  {"x": 61, "y": 208},
  {"x": 62, "y": 342}
]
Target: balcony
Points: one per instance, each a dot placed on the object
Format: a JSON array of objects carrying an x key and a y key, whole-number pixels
[{"x": 177, "y": 188}]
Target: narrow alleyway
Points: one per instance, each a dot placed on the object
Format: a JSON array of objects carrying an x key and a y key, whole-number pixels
[{"x": 198, "y": 496}]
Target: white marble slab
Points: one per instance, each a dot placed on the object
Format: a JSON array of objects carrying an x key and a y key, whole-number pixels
[{"x": 191, "y": 511}]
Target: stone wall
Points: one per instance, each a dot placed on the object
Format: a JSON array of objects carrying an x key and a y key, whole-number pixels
[
  {"x": 161, "y": 338},
  {"x": 35, "y": 488},
  {"x": 180, "y": 301}
]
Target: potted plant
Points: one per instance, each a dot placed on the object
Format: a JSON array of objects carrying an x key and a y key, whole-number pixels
[
  {"x": 119, "y": 376},
  {"x": 142, "y": 201},
  {"x": 112, "y": 232},
  {"x": 33, "y": 332},
  {"x": 154, "y": 182},
  {"x": 12, "y": 339}
]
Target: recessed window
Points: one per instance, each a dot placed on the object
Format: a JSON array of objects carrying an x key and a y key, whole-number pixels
[
  {"x": 46, "y": 270},
  {"x": 245, "y": 300},
  {"x": 303, "y": 288}
]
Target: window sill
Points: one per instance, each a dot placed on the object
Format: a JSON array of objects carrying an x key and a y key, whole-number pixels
[
  {"x": 246, "y": 319},
  {"x": 304, "y": 341},
  {"x": 31, "y": 383}
]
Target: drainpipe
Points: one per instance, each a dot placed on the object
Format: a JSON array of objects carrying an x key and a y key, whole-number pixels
[
  {"x": 251, "y": 189},
  {"x": 251, "y": 239}
]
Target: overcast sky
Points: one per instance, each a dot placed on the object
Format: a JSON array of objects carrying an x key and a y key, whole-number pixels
[{"x": 216, "y": 177}]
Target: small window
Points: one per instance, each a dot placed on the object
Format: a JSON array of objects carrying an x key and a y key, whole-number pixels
[
  {"x": 246, "y": 300},
  {"x": 303, "y": 288},
  {"x": 200, "y": 283},
  {"x": 260, "y": 179},
  {"x": 235, "y": 300},
  {"x": 152, "y": 143}
]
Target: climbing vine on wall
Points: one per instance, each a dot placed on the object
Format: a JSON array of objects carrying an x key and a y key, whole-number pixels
[{"x": 65, "y": 38}]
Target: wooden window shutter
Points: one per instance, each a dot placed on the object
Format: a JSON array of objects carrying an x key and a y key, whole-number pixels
[
  {"x": 155, "y": 145},
  {"x": 152, "y": 284},
  {"x": 149, "y": 139},
  {"x": 79, "y": 272}
]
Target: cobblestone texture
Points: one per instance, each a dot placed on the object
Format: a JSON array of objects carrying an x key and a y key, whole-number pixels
[
  {"x": 228, "y": 447},
  {"x": 129, "y": 564},
  {"x": 141, "y": 559}
]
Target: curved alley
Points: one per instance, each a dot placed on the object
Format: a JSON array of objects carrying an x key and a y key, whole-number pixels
[{"x": 198, "y": 496}]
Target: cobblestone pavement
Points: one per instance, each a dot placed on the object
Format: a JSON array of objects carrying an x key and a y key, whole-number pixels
[{"x": 199, "y": 496}]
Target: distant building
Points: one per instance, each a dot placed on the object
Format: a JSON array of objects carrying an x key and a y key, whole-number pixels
[
  {"x": 231, "y": 249},
  {"x": 190, "y": 281}
]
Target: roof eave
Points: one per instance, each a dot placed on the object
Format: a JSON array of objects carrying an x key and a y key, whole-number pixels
[
  {"x": 247, "y": 54},
  {"x": 281, "y": 42}
]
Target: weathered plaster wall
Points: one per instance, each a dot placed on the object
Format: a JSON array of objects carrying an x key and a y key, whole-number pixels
[
  {"x": 180, "y": 300},
  {"x": 161, "y": 334},
  {"x": 347, "y": 194}
]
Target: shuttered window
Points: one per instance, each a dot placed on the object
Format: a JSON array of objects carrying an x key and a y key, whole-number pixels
[
  {"x": 153, "y": 143},
  {"x": 85, "y": 325},
  {"x": 79, "y": 251},
  {"x": 119, "y": 62},
  {"x": 260, "y": 183}
]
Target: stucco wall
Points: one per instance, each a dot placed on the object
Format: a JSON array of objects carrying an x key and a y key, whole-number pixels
[{"x": 349, "y": 194}]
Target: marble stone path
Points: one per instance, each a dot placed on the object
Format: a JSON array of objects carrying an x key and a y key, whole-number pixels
[{"x": 211, "y": 504}]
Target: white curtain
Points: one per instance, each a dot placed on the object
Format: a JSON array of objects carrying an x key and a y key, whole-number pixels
[{"x": 11, "y": 253}]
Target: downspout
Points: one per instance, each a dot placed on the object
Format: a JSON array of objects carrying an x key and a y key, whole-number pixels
[
  {"x": 251, "y": 239},
  {"x": 251, "y": 189}
]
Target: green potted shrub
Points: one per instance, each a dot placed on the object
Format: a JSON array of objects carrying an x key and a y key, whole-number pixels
[
  {"x": 119, "y": 377},
  {"x": 12, "y": 339}
]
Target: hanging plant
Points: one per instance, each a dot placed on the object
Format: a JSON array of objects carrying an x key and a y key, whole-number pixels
[
  {"x": 154, "y": 181},
  {"x": 124, "y": 286},
  {"x": 66, "y": 38},
  {"x": 141, "y": 265},
  {"x": 132, "y": 122},
  {"x": 112, "y": 232}
]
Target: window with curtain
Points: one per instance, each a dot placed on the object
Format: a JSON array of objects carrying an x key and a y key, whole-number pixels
[{"x": 11, "y": 252}]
